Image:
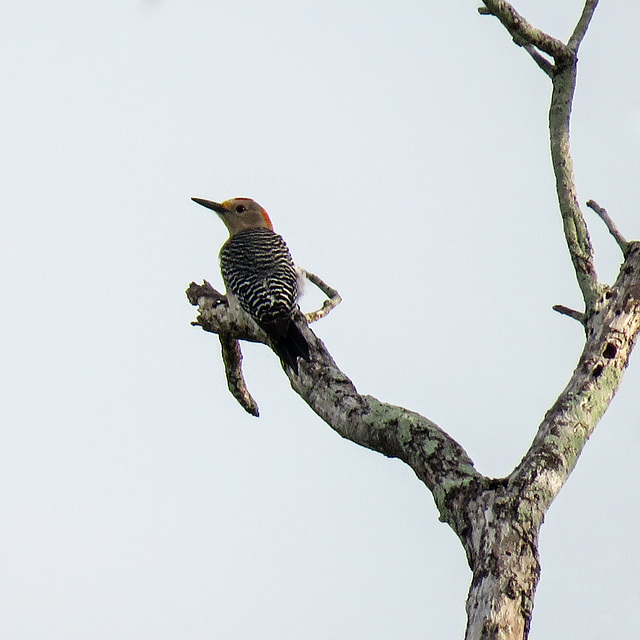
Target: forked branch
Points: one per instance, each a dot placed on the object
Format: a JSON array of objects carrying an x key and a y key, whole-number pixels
[
  {"x": 215, "y": 317},
  {"x": 563, "y": 73},
  {"x": 438, "y": 460},
  {"x": 497, "y": 520}
]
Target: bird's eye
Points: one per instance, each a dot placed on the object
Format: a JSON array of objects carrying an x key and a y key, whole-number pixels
[{"x": 240, "y": 208}]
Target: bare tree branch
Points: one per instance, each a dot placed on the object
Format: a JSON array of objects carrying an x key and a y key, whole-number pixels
[
  {"x": 438, "y": 460},
  {"x": 333, "y": 297},
  {"x": 523, "y": 31},
  {"x": 232, "y": 358},
  {"x": 611, "y": 336},
  {"x": 575, "y": 228},
  {"x": 563, "y": 74},
  {"x": 572, "y": 313},
  {"x": 539, "y": 59},
  {"x": 583, "y": 24},
  {"x": 214, "y": 316},
  {"x": 611, "y": 225}
]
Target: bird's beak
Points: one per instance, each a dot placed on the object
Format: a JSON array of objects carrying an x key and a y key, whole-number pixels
[{"x": 216, "y": 206}]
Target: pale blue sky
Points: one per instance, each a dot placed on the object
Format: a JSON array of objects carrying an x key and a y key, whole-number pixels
[{"x": 401, "y": 149}]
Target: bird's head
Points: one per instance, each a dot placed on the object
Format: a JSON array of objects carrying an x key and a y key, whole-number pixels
[{"x": 239, "y": 214}]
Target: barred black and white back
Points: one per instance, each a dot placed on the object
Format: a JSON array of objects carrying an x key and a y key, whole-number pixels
[{"x": 258, "y": 271}]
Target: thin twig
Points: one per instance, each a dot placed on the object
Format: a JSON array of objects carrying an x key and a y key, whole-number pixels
[
  {"x": 539, "y": 59},
  {"x": 232, "y": 358},
  {"x": 582, "y": 26},
  {"x": 611, "y": 225},
  {"x": 572, "y": 313},
  {"x": 333, "y": 296}
]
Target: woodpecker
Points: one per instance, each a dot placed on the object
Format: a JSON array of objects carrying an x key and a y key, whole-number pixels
[{"x": 260, "y": 276}]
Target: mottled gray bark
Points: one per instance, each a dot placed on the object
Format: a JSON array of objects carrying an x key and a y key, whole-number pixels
[{"x": 497, "y": 520}]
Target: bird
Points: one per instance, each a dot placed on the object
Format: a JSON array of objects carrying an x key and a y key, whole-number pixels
[{"x": 261, "y": 278}]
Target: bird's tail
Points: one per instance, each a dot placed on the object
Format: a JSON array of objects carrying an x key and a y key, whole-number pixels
[{"x": 291, "y": 346}]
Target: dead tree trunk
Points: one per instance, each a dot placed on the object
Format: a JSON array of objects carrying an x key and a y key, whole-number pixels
[{"x": 497, "y": 520}]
